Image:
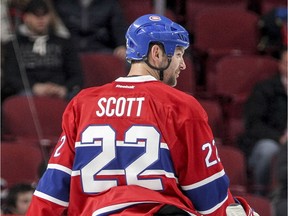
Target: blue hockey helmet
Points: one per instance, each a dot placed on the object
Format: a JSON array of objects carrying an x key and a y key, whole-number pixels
[{"x": 154, "y": 28}]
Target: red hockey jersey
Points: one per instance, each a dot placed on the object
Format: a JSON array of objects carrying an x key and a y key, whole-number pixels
[{"x": 128, "y": 148}]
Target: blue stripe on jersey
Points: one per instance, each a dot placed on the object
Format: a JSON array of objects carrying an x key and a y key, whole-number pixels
[
  {"x": 124, "y": 157},
  {"x": 55, "y": 183},
  {"x": 209, "y": 195}
]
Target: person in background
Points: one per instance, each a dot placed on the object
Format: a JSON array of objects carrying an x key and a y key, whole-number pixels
[
  {"x": 272, "y": 26},
  {"x": 279, "y": 196},
  {"x": 138, "y": 146},
  {"x": 94, "y": 25},
  {"x": 3, "y": 189},
  {"x": 39, "y": 62},
  {"x": 6, "y": 33},
  {"x": 11, "y": 17},
  {"x": 18, "y": 199},
  {"x": 265, "y": 116}
]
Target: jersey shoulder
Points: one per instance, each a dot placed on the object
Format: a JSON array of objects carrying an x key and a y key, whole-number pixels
[{"x": 179, "y": 101}]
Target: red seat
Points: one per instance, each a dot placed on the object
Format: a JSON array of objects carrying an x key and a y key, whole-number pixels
[
  {"x": 99, "y": 69},
  {"x": 132, "y": 9},
  {"x": 235, "y": 77},
  {"x": 215, "y": 119},
  {"x": 234, "y": 163},
  {"x": 194, "y": 6},
  {"x": 268, "y": 5},
  {"x": 19, "y": 162},
  {"x": 232, "y": 30},
  {"x": 234, "y": 127},
  {"x": 261, "y": 205},
  {"x": 34, "y": 117},
  {"x": 223, "y": 31}
]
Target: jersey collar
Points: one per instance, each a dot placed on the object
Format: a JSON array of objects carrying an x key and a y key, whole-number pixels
[{"x": 143, "y": 78}]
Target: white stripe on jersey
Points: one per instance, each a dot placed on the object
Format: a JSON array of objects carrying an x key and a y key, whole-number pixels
[
  {"x": 59, "y": 167},
  {"x": 51, "y": 199},
  {"x": 119, "y": 143},
  {"x": 204, "y": 182},
  {"x": 159, "y": 172},
  {"x": 122, "y": 172},
  {"x": 164, "y": 146},
  {"x": 95, "y": 143},
  {"x": 111, "y": 172},
  {"x": 145, "y": 78},
  {"x": 75, "y": 173},
  {"x": 214, "y": 208}
]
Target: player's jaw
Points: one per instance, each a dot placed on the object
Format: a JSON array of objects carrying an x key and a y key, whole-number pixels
[{"x": 170, "y": 76}]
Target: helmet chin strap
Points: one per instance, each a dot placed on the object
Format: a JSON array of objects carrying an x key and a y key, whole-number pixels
[{"x": 161, "y": 70}]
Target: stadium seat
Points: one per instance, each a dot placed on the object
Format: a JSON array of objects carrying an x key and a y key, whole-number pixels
[
  {"x": 234, "y": 163},
  {"x": 194, "y": 6},
  {"x": 235, "y": 77},
  {"x": 19, "y": 162},
  {"x": 233, "y": 128},
  {"x": 99, "y": 69},
  {"x": 268, "y": 5},
  {"x": 260, "y": 204},
  {"x": 220, "y": 32},
  {"x": 33, "y": 117},
  {"x": 214, "y": 112},
  {"x": 132, "y": 9},
  {"x": 233, "y": 30}
]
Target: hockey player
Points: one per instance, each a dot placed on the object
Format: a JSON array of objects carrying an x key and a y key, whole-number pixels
[{"x": 138, "y": 146}]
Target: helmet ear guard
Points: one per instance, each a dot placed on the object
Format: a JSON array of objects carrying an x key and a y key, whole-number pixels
[{"x": 154, "y": 28}]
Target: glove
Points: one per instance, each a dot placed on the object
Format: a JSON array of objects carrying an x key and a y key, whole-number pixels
[
  {"x": 240, "y": 208},
  {"x": 235, "y": 209}
]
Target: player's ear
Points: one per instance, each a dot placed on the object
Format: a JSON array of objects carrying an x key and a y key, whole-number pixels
[{"x": 156, "y": 53}]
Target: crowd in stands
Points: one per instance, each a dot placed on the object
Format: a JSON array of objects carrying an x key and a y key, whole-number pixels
[
  {"x": 38, "y": 61},
  {"x": 17, "y": 200},
  {"x": 42, "y": 43}
]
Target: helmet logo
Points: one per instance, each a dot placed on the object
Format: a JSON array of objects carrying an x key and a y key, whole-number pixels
[{"x": 154, "y": 18}]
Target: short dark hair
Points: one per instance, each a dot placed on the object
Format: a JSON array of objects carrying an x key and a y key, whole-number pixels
[
  {"x": 156, "y": 43},
  {"x": 37, "y": 7},
  {"x": 15, "y": 190},
  {"x": 149, "y": 49}
]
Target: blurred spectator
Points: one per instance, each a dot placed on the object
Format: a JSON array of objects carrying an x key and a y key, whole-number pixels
[
  {"x": 49, "y": 62},
  {"x": 3, "y": 189},
  {"x": 5, "y": 23},
  {"x": 18, "y": 199},
  {"x": 11, "y": 17},
  {"x": 178, "y": 8},
  {"x": 273, "y": 29},
  {"x": 265, "y": 117},
  {"x": 280, "y": 194},
  {"x": 94, "y": 25}
]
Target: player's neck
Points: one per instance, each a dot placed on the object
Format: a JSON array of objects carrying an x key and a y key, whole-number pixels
[{"x": 141, "y": 69}]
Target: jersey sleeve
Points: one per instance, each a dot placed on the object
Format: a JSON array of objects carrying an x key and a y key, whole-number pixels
[
  {"x": 52, "y": 192},
  {"x": 200, "y": 172}
]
